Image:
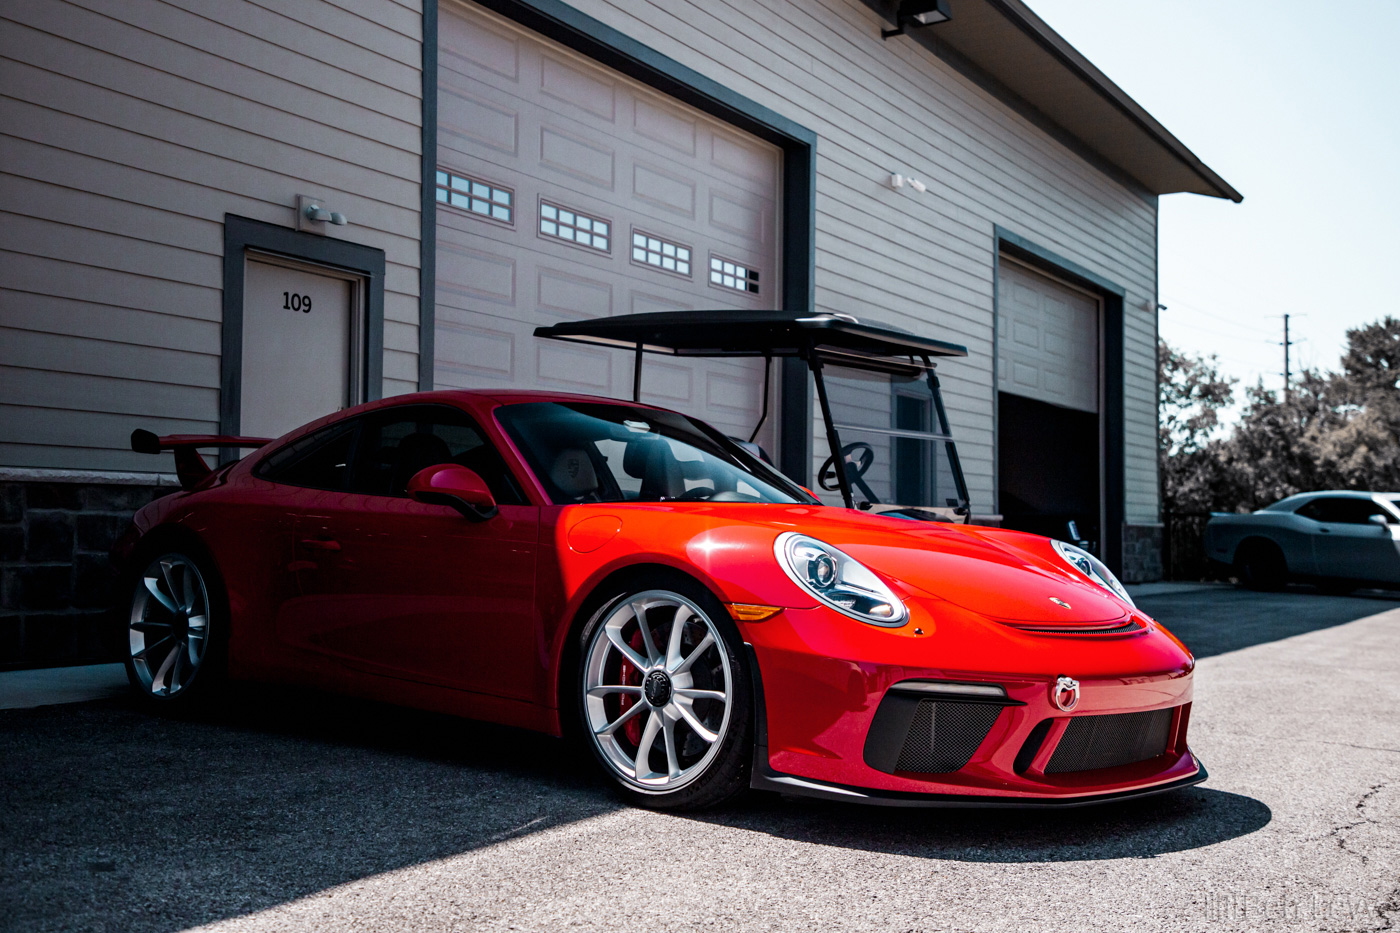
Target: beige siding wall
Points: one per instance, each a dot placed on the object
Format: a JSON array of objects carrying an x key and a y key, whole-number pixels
[
  {"x": 924, "y": 262},
  {"x": 128, "y": 128}
]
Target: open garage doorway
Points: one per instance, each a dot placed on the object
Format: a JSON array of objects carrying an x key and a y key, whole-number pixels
[{"x": 1050, "y": 436}]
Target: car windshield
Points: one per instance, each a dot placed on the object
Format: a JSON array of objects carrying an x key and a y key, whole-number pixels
[{"x": 596, "y": 452}]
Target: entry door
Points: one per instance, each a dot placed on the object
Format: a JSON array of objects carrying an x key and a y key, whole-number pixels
[{"x": 303, "y": 341}]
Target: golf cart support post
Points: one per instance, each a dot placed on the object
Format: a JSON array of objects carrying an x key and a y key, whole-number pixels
[{"x": 820, "y": 339}]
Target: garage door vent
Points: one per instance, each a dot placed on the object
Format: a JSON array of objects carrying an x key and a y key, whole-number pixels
[
  {"x": 476, "y": 196},
  {"x": 561, "y": 223}
]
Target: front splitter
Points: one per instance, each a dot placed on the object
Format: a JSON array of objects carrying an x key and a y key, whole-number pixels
[{"x": 765, "y": 778}]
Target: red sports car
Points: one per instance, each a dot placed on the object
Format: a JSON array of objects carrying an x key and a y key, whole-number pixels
[{"x": 561, "y": 562}]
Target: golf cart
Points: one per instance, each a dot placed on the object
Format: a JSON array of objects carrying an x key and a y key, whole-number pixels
[{"x": 919, "y": 478}]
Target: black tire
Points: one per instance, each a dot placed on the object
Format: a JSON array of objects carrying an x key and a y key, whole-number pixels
[
  {"x": 1260, "y": 566},
  {"x": 190, "y": 672},
  {"x": 726, "y": 772}
]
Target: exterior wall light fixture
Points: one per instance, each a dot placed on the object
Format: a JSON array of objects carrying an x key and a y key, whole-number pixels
[
  {"x": 312, "y": 216},
  {"x": 917, "y": 13}
]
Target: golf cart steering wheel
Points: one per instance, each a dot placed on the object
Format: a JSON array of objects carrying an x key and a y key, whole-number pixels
[{"x": 856, "y": 466}]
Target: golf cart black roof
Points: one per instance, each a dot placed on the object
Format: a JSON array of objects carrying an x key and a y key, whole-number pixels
[{"x": 839, "y": 339}]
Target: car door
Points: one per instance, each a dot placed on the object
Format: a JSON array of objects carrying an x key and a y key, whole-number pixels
[
  {"x": 405, "y": 589},
  {"x": 1348, "y": 544}
]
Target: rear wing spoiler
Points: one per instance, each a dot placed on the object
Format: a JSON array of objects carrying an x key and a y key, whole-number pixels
[{"x": 189, "y": 465}]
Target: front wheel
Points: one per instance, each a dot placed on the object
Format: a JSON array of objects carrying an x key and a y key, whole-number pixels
[
  {"x": 176, "y": 630},
  {"x": 664, "y": 697},
  {"x": 1260, "y": 566}
]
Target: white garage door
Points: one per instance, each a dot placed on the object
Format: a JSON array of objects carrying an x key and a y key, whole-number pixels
[
  {"x": 568, "y": 191},
  {"x": 1047, "y": 338}
]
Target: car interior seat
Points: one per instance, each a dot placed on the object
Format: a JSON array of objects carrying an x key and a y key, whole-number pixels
[
  {"x": 573, "y": 475},
  {"x": 649, "y": 459}
]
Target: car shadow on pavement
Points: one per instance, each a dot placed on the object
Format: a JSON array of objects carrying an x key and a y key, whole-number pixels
[
  {"x": 1212, "y": 620},
  {"x": 1144, "y": 828},
  {"x": 111, "y": 818}
]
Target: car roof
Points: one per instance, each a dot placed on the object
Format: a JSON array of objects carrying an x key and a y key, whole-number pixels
[
  {"x": 1299, "y": 498},
  {"x": 505, "y": 396}
]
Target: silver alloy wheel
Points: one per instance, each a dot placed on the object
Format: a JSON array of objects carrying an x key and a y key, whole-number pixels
[
  {"x": 169, "y": 627},
  {"x": 657, "y": 668}
]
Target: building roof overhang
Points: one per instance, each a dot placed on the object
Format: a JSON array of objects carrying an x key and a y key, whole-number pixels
[{"x": 1005, "y": 41}]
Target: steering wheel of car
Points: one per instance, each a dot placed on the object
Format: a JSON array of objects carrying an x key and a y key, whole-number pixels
[
  {"x": 698, "y": 494},
  {"x": 857, "y": 465}
]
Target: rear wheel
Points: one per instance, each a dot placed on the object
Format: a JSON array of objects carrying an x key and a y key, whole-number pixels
[
  {"x": 664, "y": 697},
  {"x": 176, "y": 630},
  {"x": 1260, "y": 566}
]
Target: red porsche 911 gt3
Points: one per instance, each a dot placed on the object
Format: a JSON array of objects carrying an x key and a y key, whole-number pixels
[{"x": 559, "y": 562}]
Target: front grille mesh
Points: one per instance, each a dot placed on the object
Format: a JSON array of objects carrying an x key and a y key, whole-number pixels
[
  {"x": 1092, "y": 742},
  {"x": 943, "y": 735}
]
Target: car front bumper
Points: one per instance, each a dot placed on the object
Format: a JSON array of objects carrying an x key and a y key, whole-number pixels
[{"x": 823, "y": 679}]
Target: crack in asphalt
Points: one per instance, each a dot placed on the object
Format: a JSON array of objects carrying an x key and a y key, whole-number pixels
[
  {"x": 1388, "y": 910},
  {"x": 1369, "y": 748},
  {"x": 1337, "y": 833}
]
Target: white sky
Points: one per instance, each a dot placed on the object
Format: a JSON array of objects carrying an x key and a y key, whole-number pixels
[{"x": 1296, "y": 104}]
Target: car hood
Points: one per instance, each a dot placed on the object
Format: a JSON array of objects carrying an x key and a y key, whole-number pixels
[{"x": 1004, "y": 575}]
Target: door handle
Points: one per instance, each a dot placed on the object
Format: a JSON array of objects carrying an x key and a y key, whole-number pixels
[
  {"x": 320, "y": 544},
  {"x": 1326, "y": 531}
]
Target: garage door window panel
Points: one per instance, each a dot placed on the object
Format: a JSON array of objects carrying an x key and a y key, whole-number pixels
[
  {"x": 492, "y": 202},
  {"x": 575, "y": 227},
  {"x": 659, "y": 253},
  {"x": 733, "y": 276}
]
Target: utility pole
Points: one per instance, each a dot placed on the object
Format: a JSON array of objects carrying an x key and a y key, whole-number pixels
[{"x": 1286, "y": 344}]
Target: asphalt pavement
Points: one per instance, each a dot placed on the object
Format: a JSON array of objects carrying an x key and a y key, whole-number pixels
[{"x": 296, "y": 811}]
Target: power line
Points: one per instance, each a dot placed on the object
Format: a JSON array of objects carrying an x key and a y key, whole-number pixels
[{"x": 1215, "y": 316}]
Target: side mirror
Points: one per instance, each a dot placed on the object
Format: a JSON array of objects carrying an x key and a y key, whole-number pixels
[
  {"x": 1378, "y": 520},
  {"x": 450, "y": 484}
]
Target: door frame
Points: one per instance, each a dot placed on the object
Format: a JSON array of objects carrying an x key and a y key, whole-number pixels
[
  {"x": 244, "y": 236},
  {"x": 1111, "y": 388}
]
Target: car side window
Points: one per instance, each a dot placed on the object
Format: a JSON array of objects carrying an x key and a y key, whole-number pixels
[
  {"x": 398, "y": 442},
  {"x": 320, "y": 460},
  {"x": 1342, "y": 511}
]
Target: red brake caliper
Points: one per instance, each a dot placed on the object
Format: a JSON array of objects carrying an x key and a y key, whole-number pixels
[{"x": 633, "y": 726}]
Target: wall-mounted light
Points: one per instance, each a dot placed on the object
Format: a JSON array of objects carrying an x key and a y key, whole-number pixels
[
  {"x": 899, "y": 181},
  {"x": 917, "y": 13},
  {"x": 312, "y": 215}
]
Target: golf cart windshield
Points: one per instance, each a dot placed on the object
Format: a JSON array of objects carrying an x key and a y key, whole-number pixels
[
  {"x": 906, "y": 432},
  {"x": 897, "y": 456}
]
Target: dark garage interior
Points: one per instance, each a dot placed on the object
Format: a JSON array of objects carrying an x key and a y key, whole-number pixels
[{"x": 1048, "y": 468}]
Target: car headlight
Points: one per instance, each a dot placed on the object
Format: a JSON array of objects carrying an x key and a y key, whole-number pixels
[
  {"x": 1093, "y": 568},
  {"x": 838, "y": 580}
]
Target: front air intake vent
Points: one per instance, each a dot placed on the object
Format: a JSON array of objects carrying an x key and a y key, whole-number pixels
[
  {"x": 1093, "y": 742},
  {"x": 916, "y": 732},
  {"x": 943, "y": 735}
]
